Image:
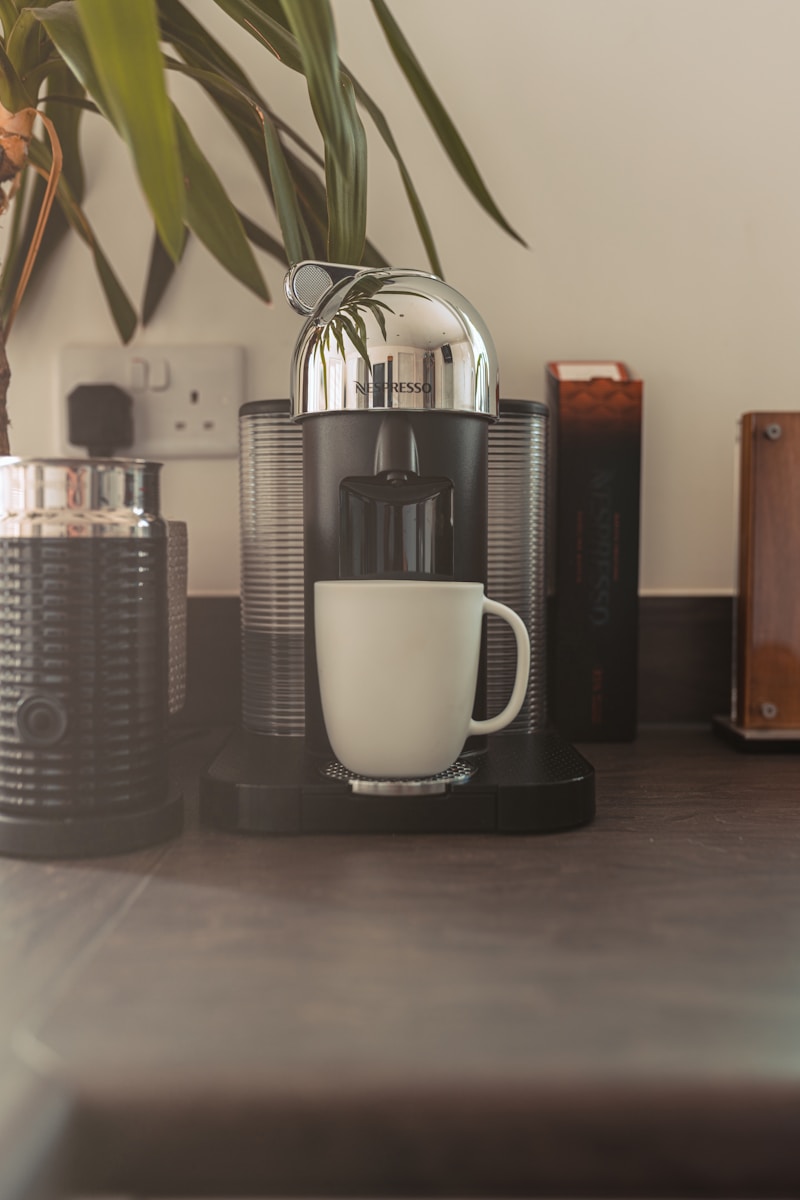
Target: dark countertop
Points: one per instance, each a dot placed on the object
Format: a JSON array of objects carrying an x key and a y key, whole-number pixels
[{"x": 609, "y": 1011}]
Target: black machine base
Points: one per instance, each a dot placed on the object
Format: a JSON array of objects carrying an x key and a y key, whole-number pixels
[
  {"x": 525, "y": 783},
  {"x": 92, "y": 835}
]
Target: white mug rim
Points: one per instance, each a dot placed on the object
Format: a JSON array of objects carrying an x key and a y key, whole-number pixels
[{"x": 450, "y": 584}]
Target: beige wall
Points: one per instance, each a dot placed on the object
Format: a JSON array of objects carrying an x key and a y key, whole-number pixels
[{"x": 647, "y": 150}]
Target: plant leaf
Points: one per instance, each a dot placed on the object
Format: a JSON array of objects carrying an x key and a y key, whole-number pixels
[
  {"x": 347, "y": 191},
  {"x": 199, "y": 49},
  {"x": 258, "y": 17},
  {"x": 335, "y": 111},
  {"x": 63, "y": 25},
  {"x": 247, "y": 121},
  {"x": 265, "y": 241},
  {"x": 211, "y": 215},
  {"x": 433, "y": 108},
  {"x": 159, "y": 275},
  {"x": 8, "y": 15},
  {"x": 27, "y": 47},
  {"x": 16, "y": 247},
  {"x": 122, "y": 311},
  {"x": 162, "y": 268},
  {"x": 13, "y": 94},
  {"x": 67, "y": 117},
  {"x": 236, "y": 100},
  {"x": 205, "y": 60},
  {"x": 295, "y": 234},
  {"x": 67, "y": 123},
  {"x": 123, "y": 41},
  {"x": 382, "y": 125},
  {"x": 271, "y": 33},
  {"x": 311, "y": 22}
]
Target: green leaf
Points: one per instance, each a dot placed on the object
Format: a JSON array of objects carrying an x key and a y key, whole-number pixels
[
  {"x": 122, "y": 311},
  {"x": 313, "y": 51},
  {"x": 159, "y": 274},
  {"x": 8, "y": 15},
  {"x": 225, "y": 92},
  {"x": 211, "y": 215},
  {"x": 66, "y": 119},
  {"x": 63, "y": 25},
  {"x": 412, "y": 195},
  {"x": 335, "y": 111},
  {"x": 162, "y": 268},
  {"x": 247, "y": 123},
  {"x": 311, "y": 22},
  {"x": 347, "y": 192},
  {"x": 197, "y": 45},
  {"x": 334, "y": 107},
  {"x": 27, "y": 47},
  {"x": 265, "y": 241},
  {"x": 271, "y": 33},
  {"x": 295, "y": 234},
  {"x": 123, "y": 40},
  {"x": 66, "y": 113},
  {"x": 433, "y": 108},
  {"x": 237, "y": 101},
  {"x": 16, "y": 248},
  {"x": 35, "y": 78},
  {"x": 260, "y": 19},
  {"x": 13, "y": 94},
  {"x": 231, "y": 90}
]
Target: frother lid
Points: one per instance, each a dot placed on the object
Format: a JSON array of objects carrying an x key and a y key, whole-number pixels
[
  {"x": 388, "y": 339},
  {"x": 63, "y": 488}
]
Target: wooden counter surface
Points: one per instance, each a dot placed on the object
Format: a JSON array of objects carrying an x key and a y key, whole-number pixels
[{"x": 610, "y": 1011}]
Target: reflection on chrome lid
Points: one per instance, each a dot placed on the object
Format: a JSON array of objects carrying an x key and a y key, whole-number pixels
[{"x": 388, "y": 339}]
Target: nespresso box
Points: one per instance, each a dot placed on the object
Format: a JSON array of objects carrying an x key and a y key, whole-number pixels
[
  {"x": 597, "y": 411},
  {"x": 765, "y": 699}
]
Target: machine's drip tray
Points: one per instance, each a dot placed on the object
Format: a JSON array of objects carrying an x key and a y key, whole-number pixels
[
  {"x": 524, "y": 784},
  {"x": 432, "y": 785}
]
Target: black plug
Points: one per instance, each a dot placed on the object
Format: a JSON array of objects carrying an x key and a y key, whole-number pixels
[{"x": 100, "y": 418}]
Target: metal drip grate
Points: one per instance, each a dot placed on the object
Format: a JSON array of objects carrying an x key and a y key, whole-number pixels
[{"x": 432, "y": 785}]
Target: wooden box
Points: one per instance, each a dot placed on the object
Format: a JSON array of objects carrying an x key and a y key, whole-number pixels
[{"x": 766, "y": 672}]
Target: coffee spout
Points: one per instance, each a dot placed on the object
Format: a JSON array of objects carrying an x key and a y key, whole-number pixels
[
  {"x": 307, "y": 283},
  {"x": 396, "y": 447}
]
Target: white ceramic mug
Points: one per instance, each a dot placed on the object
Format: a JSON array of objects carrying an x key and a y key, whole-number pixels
[{"x": 398, "y": 661}]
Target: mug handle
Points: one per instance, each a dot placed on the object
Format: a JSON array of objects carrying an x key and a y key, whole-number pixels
[{"x": 494, "y": 724}]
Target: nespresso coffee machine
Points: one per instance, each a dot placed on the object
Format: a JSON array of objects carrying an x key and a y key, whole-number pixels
[{"x": 394, "y": 458}]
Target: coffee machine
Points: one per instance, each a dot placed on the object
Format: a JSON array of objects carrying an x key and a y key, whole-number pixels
[{"x": 393, "y": 458}]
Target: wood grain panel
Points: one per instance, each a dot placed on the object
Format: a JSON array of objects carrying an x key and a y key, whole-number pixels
[{"x": 768, "y": 622}]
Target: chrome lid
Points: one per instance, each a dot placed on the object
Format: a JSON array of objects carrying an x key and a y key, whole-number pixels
[{"x": 388, "y": 339}]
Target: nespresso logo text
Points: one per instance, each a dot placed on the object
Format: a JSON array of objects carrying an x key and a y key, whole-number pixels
[
  {"x": 601, "y": 546},
  {"x": 364, "y": 389}
]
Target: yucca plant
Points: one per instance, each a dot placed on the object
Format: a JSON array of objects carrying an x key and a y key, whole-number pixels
[{"x": 63, "y": 60}]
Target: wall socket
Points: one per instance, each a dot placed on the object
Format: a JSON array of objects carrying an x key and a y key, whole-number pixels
[{"x": 186, "y": 399}]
